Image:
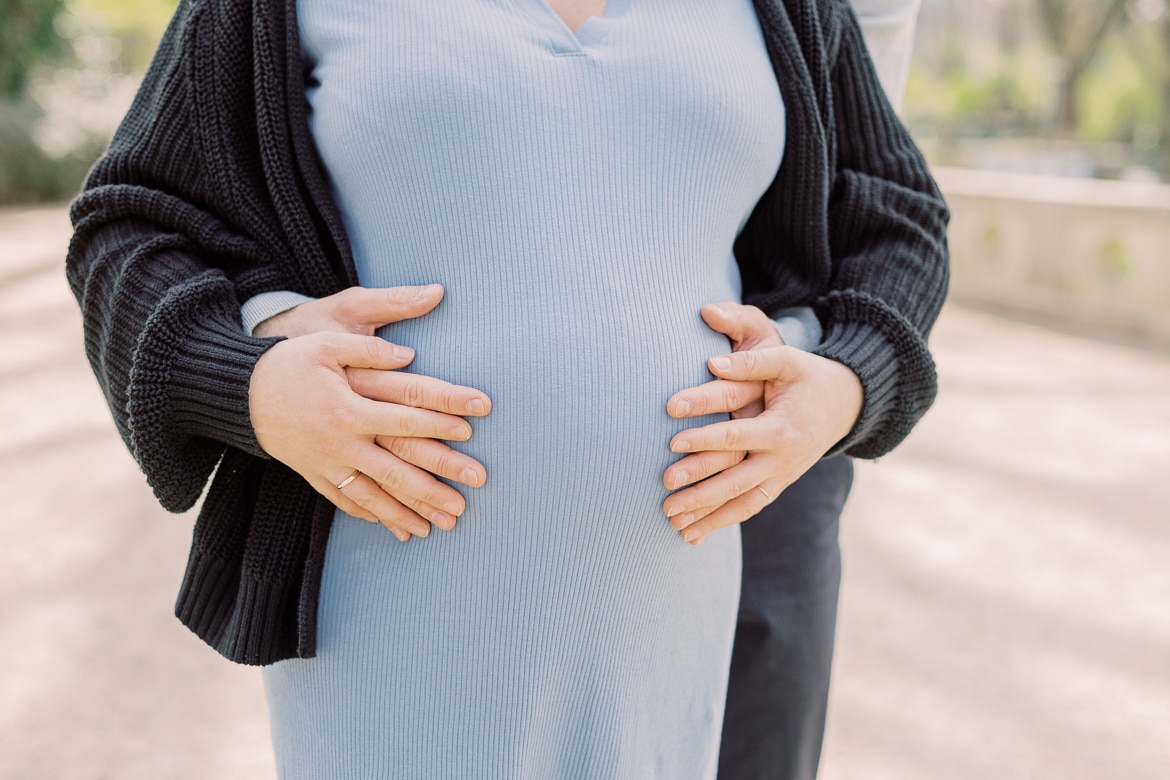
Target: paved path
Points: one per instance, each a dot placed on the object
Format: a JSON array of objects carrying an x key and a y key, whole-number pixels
[{"x": 1005, "y": 611}]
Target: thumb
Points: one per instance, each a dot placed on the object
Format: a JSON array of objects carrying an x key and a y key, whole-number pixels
[
  {"x": 377, "y": 306},
  {"x": 746, "y": 326},
  {"x": 352, "y": 351}
]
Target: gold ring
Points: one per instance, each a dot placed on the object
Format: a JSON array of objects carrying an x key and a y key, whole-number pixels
[
  {"x": 765, "y": 492},
  {"x": 345, "y": 482}
]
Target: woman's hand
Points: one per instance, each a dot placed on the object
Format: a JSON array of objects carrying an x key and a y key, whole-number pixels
[
  {"x": 789, "y": 407},
  {"x": 329, "y": 404}
]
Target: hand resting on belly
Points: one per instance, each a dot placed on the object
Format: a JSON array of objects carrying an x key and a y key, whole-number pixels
[
  {"x": 788, "y": 408},
  {"x": 328, "y": 403}
]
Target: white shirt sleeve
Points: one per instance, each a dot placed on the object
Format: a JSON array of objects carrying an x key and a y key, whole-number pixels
[
  {"x": 260, "y": 307},
  {"x": 798, "y": 327},
  {"x": 888, "y": 27}
]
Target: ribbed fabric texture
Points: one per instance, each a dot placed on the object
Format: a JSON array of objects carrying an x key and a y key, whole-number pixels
[
  {"x": 578, "y": 198},
  {"x": 211, "y": 193}
]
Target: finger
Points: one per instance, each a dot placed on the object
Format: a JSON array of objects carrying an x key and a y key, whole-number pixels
[
  {"x": 436, "y": 517},
  {"x": 714, "y": 397},
  {"x": 350, "y": 507},
  {"x": 746, "y": 326},
  {"x": 377, "y": 306},
  {"x": 423, "y": 392},
  {"x": 764, "y": 363},
  {"x": 765, "y": 431},
  {"x": 717, "y": 490},
  {"x": 412, "y": 486},
  {"x": 387, "y": 419},
  {"x": 367, "y": 494},
  {"x": 755, "y": 499},
  {"x": 696, "y": 467},
  {"x": 737, "y": 510},
  {"x": 352, "y": 350},
  {"x": 425, "y": 510},
  {"x": 695, "y": 516},
  {"x": 340, "y": 500},
  {"x": 435, "y": 457}
]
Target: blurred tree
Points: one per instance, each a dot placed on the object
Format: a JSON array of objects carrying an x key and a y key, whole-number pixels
[
  {"x": 1075, "y": 30},
  {"x": 1119, "y": 96},
  {"x": 67, "y": 72},
  {"x": 27, "y": 37}
]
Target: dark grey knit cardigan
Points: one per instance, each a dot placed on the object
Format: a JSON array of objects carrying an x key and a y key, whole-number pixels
[{"x": 211, "y": 192}]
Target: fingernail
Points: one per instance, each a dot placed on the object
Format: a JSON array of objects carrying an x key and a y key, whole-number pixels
[
  {"x": 674, "y": 510},
  {"x": 681, "y": 445},
  {"x": 423, "y": 530},
  {"x": 476, "y": 406},
  {"x": 680, "y": 478},
  {"x": 462, "y": 434},
  {"x": 722, "y": 362},
  {"x": 469, "y": 476},
  {"x": 682, "y": 408},
  {"x": 443, "y": 520},
  {"x": 425, "y": 292},
  {"x": 718, "y": 308},
  {"x": 691, "y": 536},
  {"x": 454, "y": 507},
  {"x": 403, "y": 353},
  {"x": 682, "y": 521}
]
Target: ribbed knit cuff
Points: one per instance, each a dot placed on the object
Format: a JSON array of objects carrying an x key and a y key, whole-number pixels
[
  {"x": 209, "y": 382},
  {"x": 188, "y": 390},
  {"x": 873, "y": 358},
  {"x": 889, "y": 357}
]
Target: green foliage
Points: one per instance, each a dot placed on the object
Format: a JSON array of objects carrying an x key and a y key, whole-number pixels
[
  {"x": 103, "y": 38},
  {"x": 27, "y": 38},
  {"x": 1117, "y": 96},
  {"x": 1064, "y": 79},
  {"x": 1010, "y": 96}
]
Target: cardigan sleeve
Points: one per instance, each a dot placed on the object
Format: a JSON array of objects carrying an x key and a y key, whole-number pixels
[
  {"x": 152, "y": 268},
  {"x": 887, "y": 239}
]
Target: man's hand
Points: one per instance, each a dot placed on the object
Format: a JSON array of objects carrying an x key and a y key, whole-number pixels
[{"x": 789, "y": 407}]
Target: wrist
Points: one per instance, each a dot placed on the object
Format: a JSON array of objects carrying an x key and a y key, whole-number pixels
[{"x": 848, "y": 395}]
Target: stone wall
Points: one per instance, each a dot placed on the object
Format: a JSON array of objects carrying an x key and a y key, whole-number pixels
[{"x": 1091, "y": 254}]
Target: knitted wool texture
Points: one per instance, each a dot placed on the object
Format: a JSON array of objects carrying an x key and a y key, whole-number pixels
[{"x": 211, "y": 192}]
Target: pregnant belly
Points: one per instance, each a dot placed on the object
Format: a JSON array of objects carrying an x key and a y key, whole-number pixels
[
  {"x": 578, "y": 430},
  {"x": 564, "y": 555},
  {"x": 562, "y": 603}
]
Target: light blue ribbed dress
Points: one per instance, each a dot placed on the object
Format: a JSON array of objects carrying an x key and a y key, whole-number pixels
[{"x": 578, "y": 197}]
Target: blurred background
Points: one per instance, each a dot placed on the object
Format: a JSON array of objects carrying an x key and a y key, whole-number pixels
[{"x": 1005, "y": 606}]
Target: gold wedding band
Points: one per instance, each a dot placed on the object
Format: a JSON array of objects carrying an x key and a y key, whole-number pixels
[
  {"x": 345, "y": 482},
  {"x": 765, "y": 492}
]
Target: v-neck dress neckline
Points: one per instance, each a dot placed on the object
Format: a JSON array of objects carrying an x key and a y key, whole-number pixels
[{"x": 563, "y": 40}]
